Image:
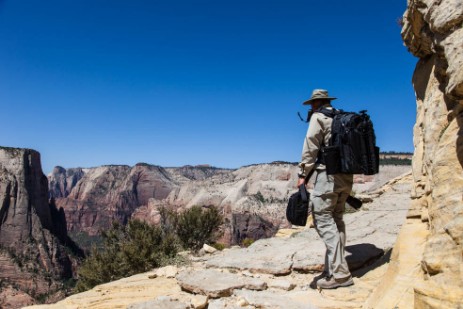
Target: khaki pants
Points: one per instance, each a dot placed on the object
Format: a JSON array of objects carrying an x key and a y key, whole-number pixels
[{"x": 328, "y": 204}]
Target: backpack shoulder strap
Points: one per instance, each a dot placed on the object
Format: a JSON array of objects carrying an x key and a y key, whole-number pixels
[{"x": 328, "y": 112}]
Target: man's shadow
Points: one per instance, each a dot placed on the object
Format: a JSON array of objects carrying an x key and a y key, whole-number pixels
[{"x": 363, "y": 258}]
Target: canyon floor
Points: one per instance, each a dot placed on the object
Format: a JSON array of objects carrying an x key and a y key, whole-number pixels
[{"x": 277, "y": 272}]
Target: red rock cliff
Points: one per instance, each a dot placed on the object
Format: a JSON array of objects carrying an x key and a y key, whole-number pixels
[{"x": 33, "y": 260}]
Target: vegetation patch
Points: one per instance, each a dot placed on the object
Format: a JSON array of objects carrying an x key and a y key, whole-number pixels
[
  {"x": 247, "y": 242},
  {"x": 194, "y": 226},
  {"x": 258, "y": 196},
  {"x": 138, "y": 246},
  {"x": 127, "y": 250},
  {"x": 395, "y": 161},
  {"x": 219, "y": 246},
  {"x": 86, "y": 241}
]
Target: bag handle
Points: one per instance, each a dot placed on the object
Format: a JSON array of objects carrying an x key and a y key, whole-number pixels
[{"x": 302, "y": 188}]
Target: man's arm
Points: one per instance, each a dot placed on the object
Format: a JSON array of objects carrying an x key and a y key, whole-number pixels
[{"x": 311, "y": 146}]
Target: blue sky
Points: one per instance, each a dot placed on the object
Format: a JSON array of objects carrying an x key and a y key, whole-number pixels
[{"x": 172, "y": 83}]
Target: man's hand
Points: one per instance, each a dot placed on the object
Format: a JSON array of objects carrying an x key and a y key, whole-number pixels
[{"x": 300, "y": 181}]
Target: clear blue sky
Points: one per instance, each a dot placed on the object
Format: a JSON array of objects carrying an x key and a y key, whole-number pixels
[{"x": 93, "y": 82}]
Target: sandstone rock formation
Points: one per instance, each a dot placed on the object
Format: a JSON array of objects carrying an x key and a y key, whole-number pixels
[
  {"x": 433, "y": 31},
  {"x": 33, "y": 257}
]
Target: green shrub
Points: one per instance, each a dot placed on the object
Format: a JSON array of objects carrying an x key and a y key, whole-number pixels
[
  {"x": 85, "y": 241},
  {"x": 139, "y": 246},
  {"x": 127, "y": 250},
  {"x": 198, "y": 225},
  {"x": 258, "y": 196},
  {"x": 219, "y": 246},
  {"x": 247, "y": 242}
]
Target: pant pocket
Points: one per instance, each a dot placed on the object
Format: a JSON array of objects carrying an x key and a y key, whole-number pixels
[{"x": 324, "y": 183}]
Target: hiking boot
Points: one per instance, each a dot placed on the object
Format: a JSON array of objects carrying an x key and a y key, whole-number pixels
[
  {"x": 332, "y": 283},
  {"x": 313, "y": 284}
]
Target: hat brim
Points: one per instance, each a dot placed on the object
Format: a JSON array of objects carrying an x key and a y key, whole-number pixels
[{"x": 309, "y": 101}]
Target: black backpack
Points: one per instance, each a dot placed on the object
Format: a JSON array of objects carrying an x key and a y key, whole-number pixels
[{"x": 352, "y": 148}]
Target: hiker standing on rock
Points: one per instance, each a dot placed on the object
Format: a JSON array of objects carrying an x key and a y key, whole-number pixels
[{"x": 329, "y": 194}]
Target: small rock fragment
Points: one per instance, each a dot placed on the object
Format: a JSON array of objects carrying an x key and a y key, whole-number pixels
[
  {"x": 281, "y": 284},
  {"x": 209, "y": 249}
]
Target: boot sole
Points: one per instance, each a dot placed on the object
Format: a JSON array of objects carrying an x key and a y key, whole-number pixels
[{"x": 337, "y": 285}]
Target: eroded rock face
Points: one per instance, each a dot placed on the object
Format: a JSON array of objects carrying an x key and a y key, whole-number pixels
[
  {"x": 110, "y": 193},
  {"x": 33, "y": 234},
  {"x": 253, "y": 199},
  {"x": 433, "y": 31},
  {"x": 62, "y": 181}
]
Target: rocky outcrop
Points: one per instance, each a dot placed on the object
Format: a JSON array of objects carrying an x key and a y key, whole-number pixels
[
  {"x": 33, "y": 238},
  {"x": 249, "y": 226},
  {"x": 433, "y": 32}
]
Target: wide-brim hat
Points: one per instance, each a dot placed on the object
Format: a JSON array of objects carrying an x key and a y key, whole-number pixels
[{"x": 319, "y": 94}]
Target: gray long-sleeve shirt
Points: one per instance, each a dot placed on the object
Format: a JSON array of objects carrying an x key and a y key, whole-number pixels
[{"x": 318, "y": 135}]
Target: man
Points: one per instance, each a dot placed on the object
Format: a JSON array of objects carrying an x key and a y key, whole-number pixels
[{"x": 329, "y": 194}]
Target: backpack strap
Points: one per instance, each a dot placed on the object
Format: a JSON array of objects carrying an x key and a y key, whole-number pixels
[{"x": 329, "y": 112}]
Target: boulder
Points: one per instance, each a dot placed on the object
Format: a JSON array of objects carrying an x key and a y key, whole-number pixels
[
  {"x": 270, "y": 299},
  {"x": 215, "y": 283}
]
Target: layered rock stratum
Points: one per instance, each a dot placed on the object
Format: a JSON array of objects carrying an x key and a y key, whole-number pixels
[
  {"x": 433, "y": 32},
  {"x": 36, "y": 254}
]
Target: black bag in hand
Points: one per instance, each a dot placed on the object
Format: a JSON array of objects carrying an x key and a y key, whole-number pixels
[{"x": 298, "y": 207}]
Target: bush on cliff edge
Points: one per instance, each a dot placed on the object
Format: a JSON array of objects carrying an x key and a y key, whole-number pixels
[
  {"x": 194, "y": 226},
  {"x": 139, "y": 247},
  {"x": 127, "y": 250}
]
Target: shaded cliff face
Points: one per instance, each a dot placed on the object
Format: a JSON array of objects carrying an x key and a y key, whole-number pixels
[
  {"x": 61, "y": 181},
  {"x": 32, "y": 231},
  {"x": 433, "y": 31}
]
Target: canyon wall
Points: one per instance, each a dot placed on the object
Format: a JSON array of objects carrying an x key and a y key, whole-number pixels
[
  {"x": 95, "y": 197},
  {"x": 252, "y": 198},
  {"x": 433, "y": 32},
  {"x": 36, "y": 255}
]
